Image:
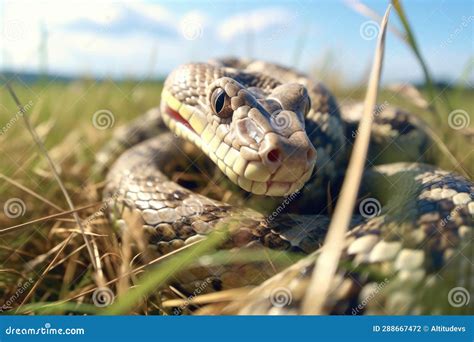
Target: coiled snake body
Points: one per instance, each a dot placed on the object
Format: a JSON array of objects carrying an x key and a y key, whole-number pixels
[{"x": 275, "y": 133}]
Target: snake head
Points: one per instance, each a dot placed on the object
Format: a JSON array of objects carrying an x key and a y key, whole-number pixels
[{"x": 250, "y": 125}]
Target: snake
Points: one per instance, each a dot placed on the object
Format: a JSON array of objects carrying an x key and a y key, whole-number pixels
[{"x": 277, "y": 136}]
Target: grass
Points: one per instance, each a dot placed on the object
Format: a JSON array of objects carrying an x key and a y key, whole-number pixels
[
  {"x": 52, "y": 252},
  {"x": 32, "y": 250},
  {"x": 328, "y": 262}
]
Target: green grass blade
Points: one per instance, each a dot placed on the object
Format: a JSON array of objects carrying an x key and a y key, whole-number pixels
[
  {"x": 410, "y": 39},
  {"x": 154, "y": 278},
  {"x": 56, "y": 308}
]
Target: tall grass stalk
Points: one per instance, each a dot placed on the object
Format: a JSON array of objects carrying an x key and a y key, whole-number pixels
[{"x": 328, "y": 261}]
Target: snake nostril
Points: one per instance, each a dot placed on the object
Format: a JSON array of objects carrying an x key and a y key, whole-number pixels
[{"x": 274, "y": 155}]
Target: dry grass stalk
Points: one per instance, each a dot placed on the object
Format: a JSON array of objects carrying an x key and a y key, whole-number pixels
[
  {"x": 94, "y": 258},
  {"x": 45, "y": 218},
  {"x": 209, "y": 298},
  {"x": 29, "y": 191},
  {"x": 326, "y": 264}
]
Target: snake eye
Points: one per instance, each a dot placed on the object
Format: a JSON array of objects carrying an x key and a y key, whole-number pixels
[{"x": 220, "y": 103}]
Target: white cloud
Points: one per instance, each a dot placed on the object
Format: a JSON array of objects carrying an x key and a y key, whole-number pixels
[
  {"x": 254, "y": 21},
  {"x": 192, "y": 24},
  {"x": 153, "y": 11},
  {"x": 129, "y": 18},
  {"x": 57, "y": 12},
  {"x": 93, "y": 36}
]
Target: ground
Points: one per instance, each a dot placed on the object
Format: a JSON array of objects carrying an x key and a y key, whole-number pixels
[{"x": 46, "y": 261}]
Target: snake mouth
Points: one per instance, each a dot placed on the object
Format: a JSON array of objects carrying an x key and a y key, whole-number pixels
[
  {"x": 174, "y": 115},
  {"x": 247, "y": 171}
]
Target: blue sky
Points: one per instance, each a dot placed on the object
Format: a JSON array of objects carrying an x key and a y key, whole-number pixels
[{"x": 149, "y": 38}]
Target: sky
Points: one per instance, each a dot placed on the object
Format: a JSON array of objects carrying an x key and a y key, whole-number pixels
[{"x": 149, "y": 38}]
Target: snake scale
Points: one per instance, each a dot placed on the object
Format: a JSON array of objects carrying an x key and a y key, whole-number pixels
[{"x": 281, "y": 138}]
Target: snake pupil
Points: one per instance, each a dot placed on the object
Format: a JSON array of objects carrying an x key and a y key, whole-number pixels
[
  {"x": 220, "y": 103},
  {"x": 220, "y": 100}
]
